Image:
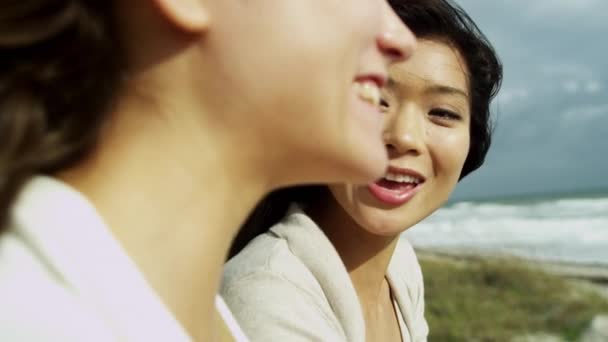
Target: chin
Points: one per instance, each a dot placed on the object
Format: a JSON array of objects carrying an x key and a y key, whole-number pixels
[
  {"x": 369, "y": 165},
  {"x": 381, "y": 225},
  {"x": 352, "y": 172},
  {"x": 385, "y": 232},
  {"x": 336, "y": 168}
]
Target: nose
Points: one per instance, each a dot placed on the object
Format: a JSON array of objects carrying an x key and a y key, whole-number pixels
[
  {"x": 396, "y": 42},
  {"x": 404, "y": 133}
]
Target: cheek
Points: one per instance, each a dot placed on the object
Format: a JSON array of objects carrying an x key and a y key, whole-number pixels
[
  {"x": 449, "y": 148},
  {"x": 359, "y": 19}
]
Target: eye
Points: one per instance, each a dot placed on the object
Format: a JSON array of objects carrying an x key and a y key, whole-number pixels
[{"x": 445, "y": 114}]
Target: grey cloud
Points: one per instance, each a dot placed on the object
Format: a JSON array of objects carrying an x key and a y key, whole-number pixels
[{"x": 552, "y": 113}]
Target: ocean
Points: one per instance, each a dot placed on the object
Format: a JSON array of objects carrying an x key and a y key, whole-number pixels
[{"x": 559, "y": 228}]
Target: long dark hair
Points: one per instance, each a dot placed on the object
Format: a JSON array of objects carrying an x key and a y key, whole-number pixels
[
  {"x": 60, "y": 66},
  {"x": 428, "y": 19}
]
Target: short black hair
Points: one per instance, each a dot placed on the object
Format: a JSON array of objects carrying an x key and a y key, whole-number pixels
[{"x": 446, "y": 21}]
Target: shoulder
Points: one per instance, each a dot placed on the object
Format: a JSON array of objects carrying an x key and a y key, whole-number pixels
[
  {"x": 273, "y": 257},
  {"x": 274, "y": 296},
  {"x": 268, "y": 267}
]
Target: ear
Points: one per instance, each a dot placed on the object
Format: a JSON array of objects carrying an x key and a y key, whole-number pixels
[{"x": 188, "y": 15}]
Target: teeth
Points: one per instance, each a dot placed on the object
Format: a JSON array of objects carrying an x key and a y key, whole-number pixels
[
  {"x": 402, "y": 178},
  {"x": 369, "y": 92}
]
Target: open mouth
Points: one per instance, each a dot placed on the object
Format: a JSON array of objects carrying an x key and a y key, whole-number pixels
[
  {"x": 397, "y": 186},
  {"x": 399, "y": 182}
]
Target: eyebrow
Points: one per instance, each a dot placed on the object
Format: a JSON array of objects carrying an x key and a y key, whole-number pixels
[
  {"x": 447, "y": 90},
  {"x": 436, "y": 88}
]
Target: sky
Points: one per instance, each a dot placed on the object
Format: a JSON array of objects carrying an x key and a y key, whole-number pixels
[{"x": 551, "y": 116}]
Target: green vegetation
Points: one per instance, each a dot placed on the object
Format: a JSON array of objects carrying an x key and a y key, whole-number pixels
[{"x": 498, "y": 299}]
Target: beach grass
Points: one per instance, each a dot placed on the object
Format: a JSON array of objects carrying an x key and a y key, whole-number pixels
[{"x": 498, "y": 299}]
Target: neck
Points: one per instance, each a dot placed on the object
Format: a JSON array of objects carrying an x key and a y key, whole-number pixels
[
  {"x": 365, "y": 255},
  {"x": 174, "y": 199}
]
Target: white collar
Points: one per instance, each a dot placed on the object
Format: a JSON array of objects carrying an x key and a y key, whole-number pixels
[{"x": 73, "y": 240}]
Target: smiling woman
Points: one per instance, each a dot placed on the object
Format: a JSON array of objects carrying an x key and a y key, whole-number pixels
[
  {"x": 137, "y": 135},
  {"x": 333, "y": 268},
  {"x": 427, "y": 138}
]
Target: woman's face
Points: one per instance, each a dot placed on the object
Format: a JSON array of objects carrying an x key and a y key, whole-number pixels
[
  {"x": 427, "y": 137},
  {"x": 303, "y": 78}
]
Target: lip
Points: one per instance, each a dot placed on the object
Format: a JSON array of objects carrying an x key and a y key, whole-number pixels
[
  {"x": 396, "y": 197},
  {"x": 379, "y": 79}
]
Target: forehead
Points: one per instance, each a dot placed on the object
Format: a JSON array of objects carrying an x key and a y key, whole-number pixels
[{"x": 433, "y": 64}]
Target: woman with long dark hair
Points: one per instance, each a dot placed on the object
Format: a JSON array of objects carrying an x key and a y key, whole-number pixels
[{"x": 136, "y": 136}]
